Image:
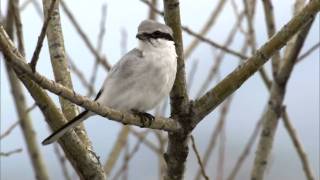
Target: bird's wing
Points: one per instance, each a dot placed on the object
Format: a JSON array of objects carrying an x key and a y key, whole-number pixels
[
  {"x": 123, "y": 69},
  {"x": 127, "y": 65}
]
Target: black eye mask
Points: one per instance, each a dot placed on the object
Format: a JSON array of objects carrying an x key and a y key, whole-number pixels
[{"x": 155, "y": 35}]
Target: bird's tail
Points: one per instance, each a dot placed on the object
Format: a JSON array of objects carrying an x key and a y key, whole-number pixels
[{"x": 70, "y": 125}]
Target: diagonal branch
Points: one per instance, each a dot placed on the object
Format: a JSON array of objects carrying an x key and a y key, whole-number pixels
[
  {"x": 275, "y": 106},
  {"x": 16, "y": 60},
  {"x": 85, "y": 38},
  {"x": 208, "y": 102},
  {"x": 59, "y": 65},
  {"x": 198, "y": 35},
  {"x": 205, "y": 29},
  {"x": 41, "y": 37}
]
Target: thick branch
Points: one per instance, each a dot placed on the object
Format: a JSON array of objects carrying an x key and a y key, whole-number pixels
[
  {"x": 29, "y": 135},
  {"x": 60, "y": 64},
  {"x": 235, "y": 79},
  {"x": 274, "y": 108},
  {"x": 126, "y": 118},
  {"x": 177, "y": 150}
]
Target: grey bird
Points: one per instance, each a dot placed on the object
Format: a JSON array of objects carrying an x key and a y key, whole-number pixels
[{"x": 140, "y": 80}]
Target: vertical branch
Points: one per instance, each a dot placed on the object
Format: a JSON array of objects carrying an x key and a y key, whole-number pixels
[
  {"x": 62, "y": 161},
  {"x": 268, "y": 11},
  {"x": 84, "y": 162},
  {"x": 245, "y": 151},
  {"x": 86, "y": 40},
  {"x": 117, "y": 148},
  {"x": 152, "y": 13},
  {"x": 213, "y": 139},
  {"x": 202, "y": 168},
  {"x": 177, "y": 150},
  {"x": 179, "y": 96},
  {"x": 60, "y": 65},
  {"x": 221, "y": 158},
  {"x": 101, "y": 35},
  {"x": 275, "y": 107},
  {"x": 29, "y": 135}
]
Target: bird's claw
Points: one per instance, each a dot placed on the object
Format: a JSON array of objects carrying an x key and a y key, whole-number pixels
[{"x": 146, "y": 118}]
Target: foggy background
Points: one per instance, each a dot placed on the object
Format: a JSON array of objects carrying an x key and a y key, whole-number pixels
[{"x": 301, "y": 99}]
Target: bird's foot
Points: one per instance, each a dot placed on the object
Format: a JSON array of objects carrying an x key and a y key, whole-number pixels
[{"x": 146, "y": 118}]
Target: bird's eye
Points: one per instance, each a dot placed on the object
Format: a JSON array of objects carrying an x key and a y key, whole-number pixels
[{"x": 157, "y": 33}]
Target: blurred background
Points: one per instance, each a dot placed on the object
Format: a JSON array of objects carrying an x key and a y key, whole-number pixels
[{"x": 246, "y": 108}]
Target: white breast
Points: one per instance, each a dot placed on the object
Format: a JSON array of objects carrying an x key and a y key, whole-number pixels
[
  {"x": 151, "y": 78},
  {"x": 162, "y": 68}
]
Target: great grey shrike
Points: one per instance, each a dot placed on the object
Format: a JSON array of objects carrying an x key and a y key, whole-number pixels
[{"x": 140, "y": 80}]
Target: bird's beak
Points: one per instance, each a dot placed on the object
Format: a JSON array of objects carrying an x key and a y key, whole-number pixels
[{"x": 141, "y": 36}]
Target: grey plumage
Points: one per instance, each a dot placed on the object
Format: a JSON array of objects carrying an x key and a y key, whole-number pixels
[{"x": 141, "y": 79}]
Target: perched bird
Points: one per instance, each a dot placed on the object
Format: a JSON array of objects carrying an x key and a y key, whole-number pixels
[{"x": 140, "y": 80}]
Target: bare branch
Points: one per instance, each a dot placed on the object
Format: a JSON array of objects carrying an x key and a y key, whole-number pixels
[
  {"x": 308, "y": 52},
  {"x": 9, "y": 130},
  {"x": 60, "y": 69},
  {"x": 125, "y": 118},
  {"x": 85, "y": 38},
  {"x": 245, "y": 151},
  {"x": 116, "y": 150},
  {"x": 84, "y": 161},
  {"x": 194, "y": 147},
  {"x": 62, "y": 160},
  {"x": 205, "y": 29},
  {"x": 269, "y": 15},
  {"x": 6, "y": 154},
  {"x": 199, "y": 36},
  {"x": 215, "y": 134},
  {"x": 298, "y": 146},
  {"x": 235, "y": 79},
  {"x": 130, "y": 156},
  {"x": 29, "y": 135},
  {"x": 152, "y": 14},
  {"x": 274, "y": 109},
  {"x": 35, "y": 56}
]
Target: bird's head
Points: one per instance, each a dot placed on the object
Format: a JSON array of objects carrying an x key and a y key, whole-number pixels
[{"x": 153, "y": 32}]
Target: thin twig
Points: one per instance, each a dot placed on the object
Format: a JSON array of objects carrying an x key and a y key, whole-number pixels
[
  {"x": 102, "y": 61},
  {"x": 80, "y": 75},
  {"x": 9, "y": 130},
  {"x": 99, "y": 44},
  {"x": 215, "y": 134},
  {"x": 221, "y": 156},
  {"x": 246, "y": 151},
  {"x": 130, "y": 156},
  {"x": 149, "y": 144},
  {"x": 118, "y": 146},
  {"x": 197, "y": 35},
  {"x": 206, "y": 27},
  {"x": 298, "y": 146},
  {"x": 214, "y": 44},
  {"x": 62, "y": 160},
  {"x": 44, "y": 28},
  {"x": 194, "y": 147},
  {"x": 9, "y": 153},
  {"x": 219, "y": 57},
  {"x": 192, "y": 73},
  {"x": 308, "y": 52}
]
